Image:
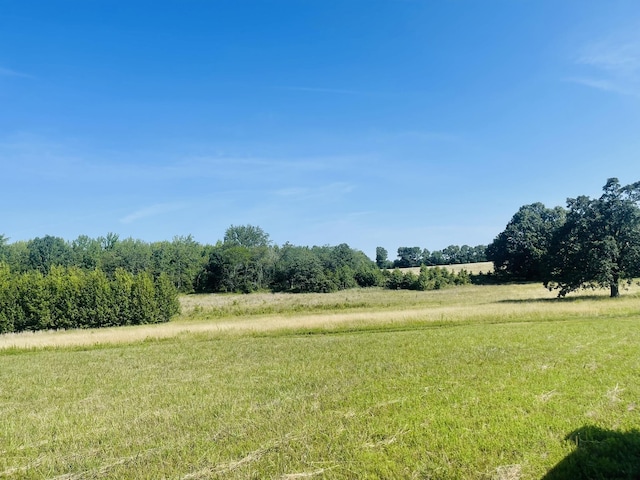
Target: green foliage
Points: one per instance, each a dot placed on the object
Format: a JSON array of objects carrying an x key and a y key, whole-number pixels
[
  {"x": 246, "y": 236},
  {"x": 166, "y": 298},
  {"x": 408, "y": 257},
  {"x": 453, "y": 254},
  {"x": 429, "y": 278},
  {"x": 182, "y": 259},
  {"x": 245, "y": 262},
  {"x": 121, "y": 296},
  {"x": 519, "y": 251},
  {"x": 382, "y": 258},
  {"x": 86, "y": 252},
  {"x": 369, "y": 277},
  {"x": 48, "y": 251},
  {"x": 72, "y": 298},
  {"x": 3, "y": 248},
  {"x": 599, "y": 244},
  {"x": 300, "y": 270},
  {"x": 8, "y": 300}
]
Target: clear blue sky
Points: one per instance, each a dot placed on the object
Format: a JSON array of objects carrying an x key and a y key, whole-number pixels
[{"x": 371, "y": 122}]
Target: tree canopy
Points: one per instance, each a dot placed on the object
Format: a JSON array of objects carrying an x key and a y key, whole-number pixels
[
  {"x": 594, "y": 243},
  {"x": 599, "y": 244},
  {"x": 519, "y": 250}
]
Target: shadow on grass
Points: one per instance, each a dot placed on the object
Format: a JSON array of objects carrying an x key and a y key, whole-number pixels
[
  {"x": 572, "y": 299},
  {"x": 600, "y": 454}
]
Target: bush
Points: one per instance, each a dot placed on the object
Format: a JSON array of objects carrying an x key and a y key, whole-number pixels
[{"x": 73, "y": 298}]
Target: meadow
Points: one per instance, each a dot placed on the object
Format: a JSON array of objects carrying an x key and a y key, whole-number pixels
[{"x": 490, "y": 382}]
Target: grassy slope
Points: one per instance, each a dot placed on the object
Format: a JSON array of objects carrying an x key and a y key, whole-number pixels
[{"x": 478, "y": 382}]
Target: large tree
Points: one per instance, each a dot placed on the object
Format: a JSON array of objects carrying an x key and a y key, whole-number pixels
[
  {"x": 408, "y": 257},
  {"x": 599, "y": 244},
  {"x": 3, "y": 249},
  {"x": 48, "y": 251},
  {"x": 518, "y": 251},
  {"x": 246, "y": 236},
  {"x": 382, "y": 257}
]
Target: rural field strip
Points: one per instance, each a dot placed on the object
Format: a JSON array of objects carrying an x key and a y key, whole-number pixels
[{"x": 264, "y": 323}]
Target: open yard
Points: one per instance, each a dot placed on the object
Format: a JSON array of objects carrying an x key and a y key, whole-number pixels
[{"x": 494, "y": 382}]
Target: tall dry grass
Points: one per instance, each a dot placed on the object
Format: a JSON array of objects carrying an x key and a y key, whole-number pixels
[{"x": 267, "y": 312}]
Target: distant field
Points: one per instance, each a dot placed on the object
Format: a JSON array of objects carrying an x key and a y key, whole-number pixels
[
  {"x": 473, "y": 382},
  {"x": 472, "y": 268}
]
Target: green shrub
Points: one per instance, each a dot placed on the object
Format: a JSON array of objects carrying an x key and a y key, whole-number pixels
[{"x": 73, "y": 298}]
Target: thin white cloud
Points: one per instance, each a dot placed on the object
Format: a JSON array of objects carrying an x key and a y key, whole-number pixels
[
  {"x": 40, "y": 157},
  {"x": 339, "y": 91},
  {"x": 611, "y": 64},
  {"x": 152, "y": 211},
  {"x": 424, "y": 136},
  {"x": 616, "y": 56},
  {"x": 321, "y": 193},
  {"x": 7, "y": 72},
  {"x": 605, "y": 85}
]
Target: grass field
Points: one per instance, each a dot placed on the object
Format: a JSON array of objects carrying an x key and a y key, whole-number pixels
[{"x": 494, "y": 382}]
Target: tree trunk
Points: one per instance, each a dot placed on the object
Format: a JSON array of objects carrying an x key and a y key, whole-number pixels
[{"x": 615, "y": 290}]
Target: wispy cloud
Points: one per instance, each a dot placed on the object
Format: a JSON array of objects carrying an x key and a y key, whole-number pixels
[
  {"x": 618, "y": 56},
  {"x": 7, "y": 72},
  {"x": 606, "y": 85},
  {"x": 319, "y": 193},
  {"x": 424, "y": 136},
  {"x": 339, "y": 91},
  {"x": 611, "y": 64},
  {"x": 33, "y": 155},
  {"x": 152, "y": 211}
]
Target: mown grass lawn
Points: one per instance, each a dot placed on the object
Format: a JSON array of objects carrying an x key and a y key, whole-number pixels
[{"x": 493, "y": 395}]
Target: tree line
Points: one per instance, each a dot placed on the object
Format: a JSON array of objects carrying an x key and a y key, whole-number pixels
[
  {"x": 416, "y": 256},
  {"x": 592, "y": 243},
  {"x": 244, "y": 261}
]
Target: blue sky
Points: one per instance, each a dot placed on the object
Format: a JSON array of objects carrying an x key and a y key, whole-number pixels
[{"x": 376, "y": 123}]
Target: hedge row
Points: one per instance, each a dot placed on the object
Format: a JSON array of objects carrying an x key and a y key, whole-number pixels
[
  {"x": 73, "y": 298},
  {"x": 429, "y": 278}
]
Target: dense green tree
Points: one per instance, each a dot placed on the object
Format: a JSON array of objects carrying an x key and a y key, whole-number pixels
[
  {"x": 121, "y": 295},
  {"x": 519, "y": 251},
  {"x": 8, "y": 299},
  {"x": 246, "y": 236},
  {"x": 408, "y": 257},
  {"x": 130, "y": 254},
  {"x": 429, "y": 278},
  {"x": 34, "y": 302},
  {"x": 599, "y": 244},
  {"x": 436, "y": 258},
  {"x": 110, "y": 241},
  {"x": 452, "y": 254},
  {"x": 166, "y": 298},
  {"x": 184, "y": 259},
  {"x": 17, "y": 256},
  {"x": 382, "y": 257},
  {"x": 86, "y": 252},
  {"x": 96, "y": 301},
  {"x": 369, "y": 277},
  {"x": 65, "y": 286},
  {"x": 3, "y": 248},
  {"x": 144, "y": 308},
  {"x": 300, "y": 270},
  {"x": 47, "y": 251},
  {"x": 238, "y": 271}
]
